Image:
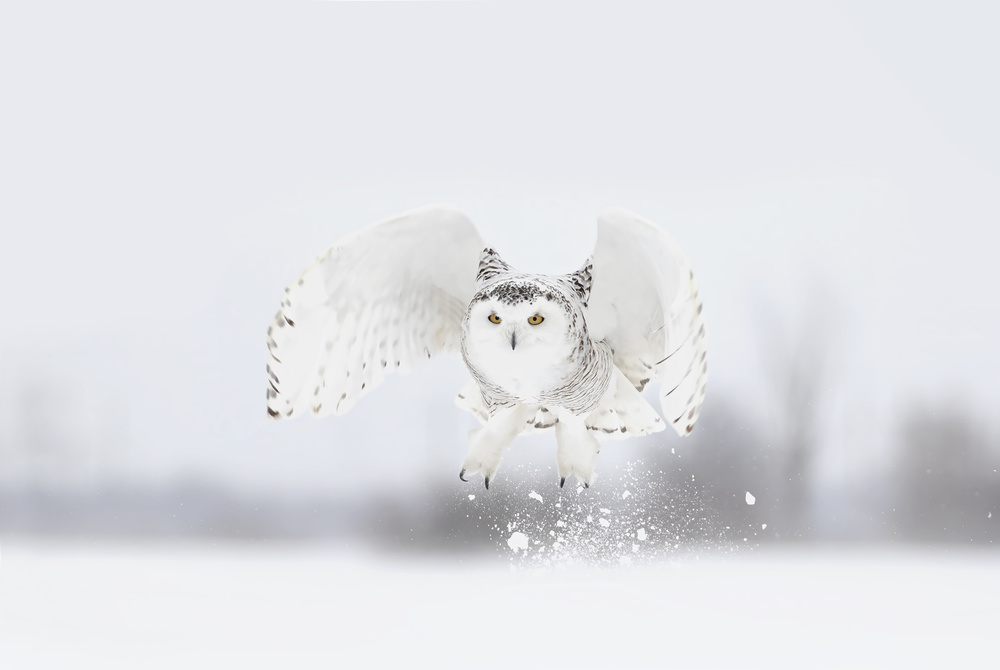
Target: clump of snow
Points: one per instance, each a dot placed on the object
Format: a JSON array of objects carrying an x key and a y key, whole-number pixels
[
  {"x": 472, "y": 496},
  {"x": 641, "y": 513},
  {"x": 750, "y": 499},
  {"x": 518, "y": 540},
  {"x": 763, "y": 526}
]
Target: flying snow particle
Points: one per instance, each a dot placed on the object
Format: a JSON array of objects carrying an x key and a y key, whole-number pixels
[
  {"x": 605, "y": 510},
  {"x": 750, "y": 499},
  {"x": 604, "y": 522},
  {"x": 518, "y": 540},
  {"x": 626, "y": 494},
  {"x": 989, "y": 515},
  {"x": 641, "y": 534},
  {"x": 535, "y": 495},
  {"x": 763, "y": 526},
  {"x": 472, "y": 496}
]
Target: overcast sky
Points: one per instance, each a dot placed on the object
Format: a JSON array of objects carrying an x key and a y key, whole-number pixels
[{"x": 166, "y": 170}]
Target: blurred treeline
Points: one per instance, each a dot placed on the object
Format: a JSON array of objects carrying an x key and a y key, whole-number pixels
[
  {"x": 941, "y": 485},
  {"x": 936, "y": 478}
]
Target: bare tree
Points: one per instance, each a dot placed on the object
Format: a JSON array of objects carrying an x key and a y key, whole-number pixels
[
  {"x": 948, "y": 487},
  {"x": 796, "y": 360}
]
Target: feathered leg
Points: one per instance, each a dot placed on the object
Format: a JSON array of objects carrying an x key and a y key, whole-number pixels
[
  {"x": 487, "y": 444},
  {"x": 577, "y": 448}
]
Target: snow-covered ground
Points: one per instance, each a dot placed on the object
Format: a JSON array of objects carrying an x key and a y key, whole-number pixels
[{"x": 115, "y": 605}]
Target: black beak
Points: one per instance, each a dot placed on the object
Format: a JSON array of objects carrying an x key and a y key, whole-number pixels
[{"x": 513, "y": 341}]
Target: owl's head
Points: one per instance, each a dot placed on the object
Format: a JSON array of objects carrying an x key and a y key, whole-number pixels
[{"x": 526, "y": 313}]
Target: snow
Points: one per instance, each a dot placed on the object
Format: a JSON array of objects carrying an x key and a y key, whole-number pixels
[
  {"x": 564, "y": 532},
  {"x": 153, "y": 606},
  {"x": 472, "y": 496},
  {"x": 536, "y": 496},
  {"x": 750, "y": 499},
  {"x": 518, "y": 541}
]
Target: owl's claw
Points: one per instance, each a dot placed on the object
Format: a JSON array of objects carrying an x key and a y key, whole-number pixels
[
  {"x": 486, "y": 478},
  {"x": 562, "y": 481}
]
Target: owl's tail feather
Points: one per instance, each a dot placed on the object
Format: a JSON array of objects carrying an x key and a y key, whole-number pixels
[{"x": 624, "y": 412}]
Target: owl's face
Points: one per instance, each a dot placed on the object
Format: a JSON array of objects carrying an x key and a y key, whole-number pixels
[
  {"x": 523, "y": 325},
  {"x": 521, "y": 334}
]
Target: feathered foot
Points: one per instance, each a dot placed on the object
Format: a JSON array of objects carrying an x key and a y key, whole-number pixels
[
  {"x": 487, "y": 444},
  {"x": 577, "y": 450}
]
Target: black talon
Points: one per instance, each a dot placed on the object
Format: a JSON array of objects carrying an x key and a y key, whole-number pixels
[
  {"x": 586, "y": 485},
  {"x": 487, "y": 483},
  {"x": 562, "y": 480},
  {"x": 461, "y": 475}
]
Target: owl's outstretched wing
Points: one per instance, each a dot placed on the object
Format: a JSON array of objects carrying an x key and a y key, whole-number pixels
[
  {"x": 645, "y": 301},
  {"x": 387, "y": 297}
]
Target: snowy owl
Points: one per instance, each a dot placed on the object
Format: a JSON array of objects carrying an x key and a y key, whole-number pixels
[{"x": 568, "y": 352}]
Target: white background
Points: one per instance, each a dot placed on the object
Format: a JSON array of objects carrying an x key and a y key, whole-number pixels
[{"x": 166, "y": 170}]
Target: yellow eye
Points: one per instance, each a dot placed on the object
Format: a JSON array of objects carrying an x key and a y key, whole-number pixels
[
  {"x": 494, "y": 318},
  {"x": 535, "y": 320}
]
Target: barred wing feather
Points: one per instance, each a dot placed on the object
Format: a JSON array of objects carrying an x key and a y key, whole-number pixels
[
  {"x": 383, "y": 300},
  {"x": 645, "y": 301}
]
